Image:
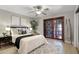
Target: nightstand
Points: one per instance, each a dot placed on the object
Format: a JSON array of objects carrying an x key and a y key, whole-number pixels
[{"x": 5, "y": 40}]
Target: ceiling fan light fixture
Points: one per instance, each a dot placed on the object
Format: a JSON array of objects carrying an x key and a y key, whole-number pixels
[{"x": 38, "y": 12}]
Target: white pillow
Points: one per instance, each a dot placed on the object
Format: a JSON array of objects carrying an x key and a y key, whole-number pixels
[{"x": 14, "y": 31}]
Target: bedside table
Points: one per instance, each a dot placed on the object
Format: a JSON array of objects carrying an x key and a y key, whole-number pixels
[{"x": 5, "y": 40}]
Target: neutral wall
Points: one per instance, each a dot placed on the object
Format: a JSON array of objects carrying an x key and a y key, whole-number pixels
[
  {"x": 5, "y": 19},
  {"x": 67, "y": 15},
  {"x": 76, "y": 28}
]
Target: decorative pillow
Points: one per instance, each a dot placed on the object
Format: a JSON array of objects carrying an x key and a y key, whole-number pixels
[
  {"x": 24, "y": 31},
  {"x": 19, "y": 31}
]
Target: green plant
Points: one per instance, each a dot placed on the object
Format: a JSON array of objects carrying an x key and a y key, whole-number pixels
[{"x": 34, "y": 25}]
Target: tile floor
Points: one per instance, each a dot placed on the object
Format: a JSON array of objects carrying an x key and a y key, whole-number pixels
[{"x": 53, "y": 47}]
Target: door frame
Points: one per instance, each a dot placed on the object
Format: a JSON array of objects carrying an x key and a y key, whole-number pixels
[{"x": 54, "y": 18}]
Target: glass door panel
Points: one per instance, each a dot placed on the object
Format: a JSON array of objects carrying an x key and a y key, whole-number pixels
[
  {"x": 48, "y": 29},
  {"x": 58, "y": 28}
]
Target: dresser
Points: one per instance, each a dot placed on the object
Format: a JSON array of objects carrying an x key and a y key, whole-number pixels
[{"x": 5, "y": 40}]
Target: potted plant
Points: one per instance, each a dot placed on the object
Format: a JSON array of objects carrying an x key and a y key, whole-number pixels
[{"x": 34, "y": 25}]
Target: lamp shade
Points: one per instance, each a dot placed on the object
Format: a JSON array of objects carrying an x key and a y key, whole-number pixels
[{"x": 7, "y": 28}]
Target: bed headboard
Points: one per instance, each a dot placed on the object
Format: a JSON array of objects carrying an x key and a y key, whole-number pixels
[
  {"x": 18, "y": 27},
  {"x": 16, "y": 30}
]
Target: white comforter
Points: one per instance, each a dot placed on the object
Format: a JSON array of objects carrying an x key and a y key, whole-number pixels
[
  {"x": 29, "y": 43},
  {"x": 14, "y": 36}
]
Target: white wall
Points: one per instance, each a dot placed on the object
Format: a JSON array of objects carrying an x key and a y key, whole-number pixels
[
  {"x": 76, "y": 28},
  {"x": 5, "y": 19},
  {"x": 67, "y": 15},
  {"x": 76, "y": 31}
]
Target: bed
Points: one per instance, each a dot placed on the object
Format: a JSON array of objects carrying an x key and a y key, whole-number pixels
[{"x": 28, "y": 44}]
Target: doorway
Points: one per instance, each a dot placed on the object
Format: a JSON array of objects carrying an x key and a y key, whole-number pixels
[{"x": 54, "y": 28}]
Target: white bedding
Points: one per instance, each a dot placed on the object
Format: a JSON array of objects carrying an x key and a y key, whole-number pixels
[
  {"x": 14, "y": 36},
  {"x": 29, "y": 43}
]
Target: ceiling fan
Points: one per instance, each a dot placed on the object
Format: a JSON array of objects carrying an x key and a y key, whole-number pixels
[{"x": 39, "y": 10}]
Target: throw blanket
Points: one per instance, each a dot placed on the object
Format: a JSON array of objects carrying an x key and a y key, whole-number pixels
[{"x": 17, "y": 42}]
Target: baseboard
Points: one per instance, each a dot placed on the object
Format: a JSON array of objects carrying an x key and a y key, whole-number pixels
[{"x": 69, "y": 42}]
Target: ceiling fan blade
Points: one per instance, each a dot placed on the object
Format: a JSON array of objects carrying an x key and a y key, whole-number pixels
[
  {"x": 46, "y": 9},
  {"x": 44, "y": 13}
]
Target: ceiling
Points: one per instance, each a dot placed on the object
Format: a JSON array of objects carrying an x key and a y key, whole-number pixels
[{"x": 25, "y": 9}]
